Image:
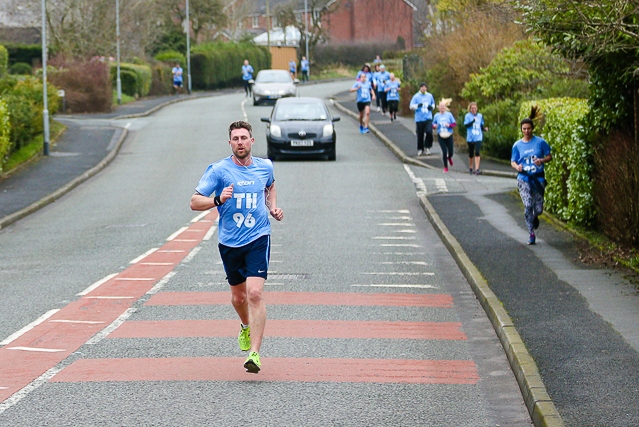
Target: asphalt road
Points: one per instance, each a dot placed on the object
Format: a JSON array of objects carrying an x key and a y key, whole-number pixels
[{"x": 370, "y": 320}]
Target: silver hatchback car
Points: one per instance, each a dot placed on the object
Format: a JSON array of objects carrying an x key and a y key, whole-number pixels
[{"x": 271, "y": 85}]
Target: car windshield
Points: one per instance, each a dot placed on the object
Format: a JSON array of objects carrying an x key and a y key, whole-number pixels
[
  {"x": 297, "y": 111},
  {"x": 273, "y": 77}
]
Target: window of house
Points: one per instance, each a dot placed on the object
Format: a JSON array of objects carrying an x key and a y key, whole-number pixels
[{"x": 256, "y": 21}]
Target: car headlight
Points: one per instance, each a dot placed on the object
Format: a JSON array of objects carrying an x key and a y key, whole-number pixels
[
  {"x": 281, "y": 92},
  {"x": 328, "y": 131},
  {"x": 276, "y": 131}
]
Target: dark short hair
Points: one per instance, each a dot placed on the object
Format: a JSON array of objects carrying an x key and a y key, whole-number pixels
[
  {"x": 240, "y": 124},
  {"x": 423, "y": 84},
  {"x": 527, "y": 120}
]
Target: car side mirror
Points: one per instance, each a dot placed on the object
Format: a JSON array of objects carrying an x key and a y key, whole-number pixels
[
  {"x": 336, "y": 118},
  {"x": 266, "y": 119}
]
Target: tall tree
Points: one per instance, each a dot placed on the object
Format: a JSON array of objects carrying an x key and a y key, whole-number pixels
[{"x": 203, "y": 14}]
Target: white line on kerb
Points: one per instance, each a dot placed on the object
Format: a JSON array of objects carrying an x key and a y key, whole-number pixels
[
  {"x": 96, "y": 284},
  {"x": 177, "y": 233},
  {"x": 30, "y": 326},
  {"x": 144, "y": 255}
]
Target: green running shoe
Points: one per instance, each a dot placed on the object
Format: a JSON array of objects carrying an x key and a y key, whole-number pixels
[
  {"x": 244, "y": 338},
  {"x": 253, "y": 363}
]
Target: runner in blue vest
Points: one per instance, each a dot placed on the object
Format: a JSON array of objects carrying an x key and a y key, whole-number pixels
[
  {"x": 475, "y": 128},
  {"x": 292, "y": 68},
  {"x": 247, "y": 77},
  {"x": 423, "y": 104},
  {"x": 244, "y": 189},
  {"x": 443, "y": 123},
  {"x": 177, "y": 72},
  {"x": 528, "y": 157},
  {"x": 365, "y": 94},
  {"x": 392, "y": 96},
  {"x": 382, "y": 78},
  {"x": 305, "y": 66}
]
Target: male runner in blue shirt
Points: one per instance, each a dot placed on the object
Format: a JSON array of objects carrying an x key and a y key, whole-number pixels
[{"x": 244, "y": 189}]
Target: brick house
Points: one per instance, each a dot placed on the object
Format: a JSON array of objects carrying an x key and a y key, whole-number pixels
[{"x": 347, "y": 21}]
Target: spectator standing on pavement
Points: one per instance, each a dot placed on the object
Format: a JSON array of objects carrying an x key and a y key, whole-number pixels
[
  {"x": 364, "y": 95},
  {"x": 247, "y": 77},
  {"x": 528, "y": 157},
  {"x": 244, "y": 189},
  {"x": 423, "y": 103},
  {"x": 377, "y": 60},
  {"x": 177, "y": 72},
  {"x": 392, "y": 96},
  {"x": 305, "y": 67},
  {"x": 292, "y": 68},
  {"x": 444, "y": 122},
  {"x": 475, "y": 127},
  {"x": 382, "y": 78}
]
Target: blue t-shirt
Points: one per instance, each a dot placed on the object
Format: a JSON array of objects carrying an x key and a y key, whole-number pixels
[
  {"x": 247, "y": 72},
  {"x": 474, "y": 125},
  {"x": 304, "y": 64},
  {"x": 369, "y": 76},
  {"x": 382, "y": 78},
  {"x": 444, "y": 122},
  {"x": 177, "y": 74},
  {"x": 292, "y": 67},
  {"x": 363, "y": 91},
  {"x": 392, "y": 90},
  {"x": 243, "y": 217},
  {"x": 422, "y": 113},
  {"x": 525, "y": 153}
]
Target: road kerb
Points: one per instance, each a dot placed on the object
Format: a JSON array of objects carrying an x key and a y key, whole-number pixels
[
  {"x": 52, "y": 197},
  {"x": 541, "y": 408}
]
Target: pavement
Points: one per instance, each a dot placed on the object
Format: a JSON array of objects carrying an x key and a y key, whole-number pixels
[{"x": 569, "y": 329}]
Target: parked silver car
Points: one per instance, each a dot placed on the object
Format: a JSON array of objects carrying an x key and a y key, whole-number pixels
[{"x": 271, "y": 85}]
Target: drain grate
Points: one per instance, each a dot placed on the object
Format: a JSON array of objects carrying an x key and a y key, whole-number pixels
[{"x": 288, "y": 276}]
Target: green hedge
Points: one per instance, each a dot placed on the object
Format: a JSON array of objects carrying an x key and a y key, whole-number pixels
[
  {"x": 26, "y": 52},
  {"x": 569, "y": 194},
  {"x": 23, "y": 96},
  {"x": 171, "y": 57},
  {"x": 135, "y": 79},
  {"x": 5, "y": 133},
  {"x": 215, "y": 65},
  {"x": 4, "y": 60}
]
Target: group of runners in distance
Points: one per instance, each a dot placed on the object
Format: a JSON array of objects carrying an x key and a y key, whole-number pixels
[{"x": 528, "y": 157}]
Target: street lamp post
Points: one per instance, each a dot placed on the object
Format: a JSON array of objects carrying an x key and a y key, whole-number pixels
[
  {"x": 118, "y": 81},
  {"x": 45, "y": 99},
  {"x": 188, "y": 47},
  {"x": 308, "y": 58}
]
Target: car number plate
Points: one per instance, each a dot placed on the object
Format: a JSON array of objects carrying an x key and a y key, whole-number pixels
[{"x": 301, "y": 143}]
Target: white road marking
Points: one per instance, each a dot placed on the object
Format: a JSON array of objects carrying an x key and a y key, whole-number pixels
[
  {"x": 200, "y": 216},
  {"x": 244, "y": 110},
  {"x": 36, "y": 349},
  {"x": 156, "y": 263},
  {"x": 109, "y": 297},
  {"x": 21, "y": 394},
  {"x": 28, "y": 327},
  {"x": 393, "y": 238},
  {"x": 88, "y": 322},
  {"x": 398, "y": 224},
  {"x": 440, "y": 183},
  {"x": 161, "y": 283},
  {"x": 192, "y": 254},
  {"x": 177, "y": 233},
  {"x": 112, "y": 327},
  {"x": 401, "y": 211},
  {"x": 97, "y": 284},
  {"x": 127, "y": 125},
  {"x": 400, "y": 245},
  {"x": 404, "y": 262},
  {"x": 144, "y": 255},
  {"x": 398, "y": 286},
  {"x": 419, "y": 183},
  {"x": 399, "y": 274},
  {"x": 210, "y": 233}
]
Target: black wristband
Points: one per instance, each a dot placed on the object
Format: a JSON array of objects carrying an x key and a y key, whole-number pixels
[{"x": 217, "y": 201}]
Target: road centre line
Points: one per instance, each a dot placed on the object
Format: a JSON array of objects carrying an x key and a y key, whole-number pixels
[
  {"x": 96, "y": 284},
  {"x": 28, "y": 327},
  {"x": 177, "y": 233},
  {"x": 144, "y": 255}
]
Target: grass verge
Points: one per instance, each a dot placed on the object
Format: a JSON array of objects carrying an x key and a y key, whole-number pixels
[
  {"x": 33, "y": 149},
  {"x": 125, "y": 99}
]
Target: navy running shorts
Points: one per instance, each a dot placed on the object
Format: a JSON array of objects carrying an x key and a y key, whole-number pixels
[
  {"x": 362, "y": 105},
  {"x": 250, "y": 260}
]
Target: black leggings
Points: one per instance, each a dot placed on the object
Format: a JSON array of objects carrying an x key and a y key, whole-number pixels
[
  {"x": 446, "y": 145},
  {"x": 247, "y": 87},
  {"x": 424, "y": 132},
  {"x": 393, "y": 106},
  {"x": 381, "y": 96},
  {"x": 473, "y": 149}
]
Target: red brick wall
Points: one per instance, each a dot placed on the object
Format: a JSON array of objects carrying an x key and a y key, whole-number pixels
[{"x": 359, "y": 21}]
